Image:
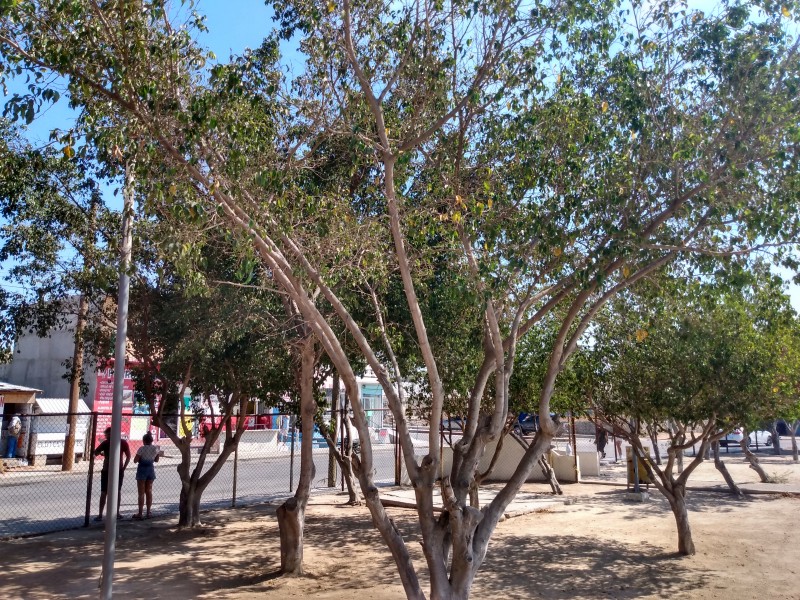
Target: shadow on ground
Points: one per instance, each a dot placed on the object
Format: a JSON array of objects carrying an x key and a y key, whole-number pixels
[
  {"x": 238, "y": 551},
  {"x": 578, "y": 567}
]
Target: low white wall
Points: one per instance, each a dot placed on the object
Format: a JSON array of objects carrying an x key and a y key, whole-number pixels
[
  {"x": 259, "y": 440},
  {"x": 53, "y": 444},
  {"x": 260, "y": 436},
  {"x": 589, "y": 462},
  {"x": 510, "y": 456}
]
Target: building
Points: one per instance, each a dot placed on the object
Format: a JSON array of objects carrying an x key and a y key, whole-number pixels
[
  {"x": 16, "y": 400},
  {"x": 40, "y": 362}
]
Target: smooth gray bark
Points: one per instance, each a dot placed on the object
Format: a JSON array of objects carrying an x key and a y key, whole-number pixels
[
  {"x": 550, "y": 474},
  {"x": 751, "y": 458},
  {"x": 291, "y": 514},
  {"x": 724, "y": 470}
]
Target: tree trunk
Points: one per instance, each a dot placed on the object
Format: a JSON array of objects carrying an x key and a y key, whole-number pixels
[
  {"x": 751, "y": 458},
  {"x": 291, "y": 514},
  {"x": 347, "y": 458},
  {"x": 653, "y": 434},
  {"x": 291, "y": 522},
  {"x": 195, "y": 480},
  {"x": 474, "y": 499},
  {"x": 475, "y": 486},
  {"x": 334, "y": 427},
  {"x": 677, "y": 502},
  {"x": 550, "y": 474},
  {"x": 189, "y": 506},
  {"x": 350, "y": 482},
  {"x": 776, "y": 439},
  {"x": 343, "y": 457},
  {"x": 186, "y": 500},
  {"x": 724, "y": 470},
  {"x": 76, "y": 371},
  {"x": 793, "y": 435}
]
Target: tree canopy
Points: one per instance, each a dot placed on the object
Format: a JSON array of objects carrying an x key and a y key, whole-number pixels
[{"x": 518, "y": 165}]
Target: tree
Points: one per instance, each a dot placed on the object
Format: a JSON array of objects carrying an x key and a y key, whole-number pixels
[
  {"x": 558, "y": 190},
  {"x": 691, "y": 367},
  {"x": 220, "y": 340},
  {"x": 58, "y": 237}
]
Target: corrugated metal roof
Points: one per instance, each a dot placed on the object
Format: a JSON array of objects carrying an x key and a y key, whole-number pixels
[
  {"x": 10, "y": 387},
  {"x": 59, "y": 405}
]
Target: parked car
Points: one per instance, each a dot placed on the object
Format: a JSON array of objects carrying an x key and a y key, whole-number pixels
[
  {"x": 764, "y": 438},
  {"x": 525, "y": 425},
  {"x": 783, "y": 428},
  {"x": 453, "y": 423},
  {"x": 734, "y": 438}
]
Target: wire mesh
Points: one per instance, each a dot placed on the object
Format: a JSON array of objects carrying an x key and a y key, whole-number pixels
[{"x": 36, "y": 496}]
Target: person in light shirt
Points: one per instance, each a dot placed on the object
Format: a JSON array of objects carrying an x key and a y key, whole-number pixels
[{"x": 146, "y": 458}]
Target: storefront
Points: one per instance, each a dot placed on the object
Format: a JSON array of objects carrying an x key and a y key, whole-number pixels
[
  {"x": 16, "y": 400},
  {"x": 49, "y": 429}
]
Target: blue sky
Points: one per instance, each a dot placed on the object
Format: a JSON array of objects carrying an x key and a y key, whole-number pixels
[{"x": 233, "y": 26}]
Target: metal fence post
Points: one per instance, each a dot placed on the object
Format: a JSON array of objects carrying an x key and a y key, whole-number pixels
[
  {"x": 90, "y": 478},
  {"x": 235, "y": 474},
  {"x": 397, "y": 455},
  {"x": 341, "y": 438},
  {"x": 291, "y": 458}
]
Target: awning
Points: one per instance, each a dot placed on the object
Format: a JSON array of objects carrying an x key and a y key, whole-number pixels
[
  {"x": 58, "y": 406},
  {"x": 17, "y": 394}
]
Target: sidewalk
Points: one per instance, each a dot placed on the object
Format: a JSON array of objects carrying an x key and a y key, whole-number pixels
[
  {"x": 535, "y": 497},
  {"x": 706, "y": 477}
]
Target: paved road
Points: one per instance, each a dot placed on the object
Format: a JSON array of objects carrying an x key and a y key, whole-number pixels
[
  {"x": 39, "y": 501},
  {"x": 42, "y": 500}
]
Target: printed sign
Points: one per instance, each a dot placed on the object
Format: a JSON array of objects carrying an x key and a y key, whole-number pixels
[{"x": 104, "y": 397}]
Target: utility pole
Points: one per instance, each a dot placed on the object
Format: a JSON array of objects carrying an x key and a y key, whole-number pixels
[{"x": 107, "y": 577}]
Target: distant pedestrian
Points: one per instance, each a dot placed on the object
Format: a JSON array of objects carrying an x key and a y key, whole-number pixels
[
  {"x": 283, "y": 432},
  {"x": 146, "y": 457},
  {"x": 14, "y": 427},
  {"x": 618, "y": 446},
  {"x": 601, "y": 439},
  {"x": 104, "y": 449}
]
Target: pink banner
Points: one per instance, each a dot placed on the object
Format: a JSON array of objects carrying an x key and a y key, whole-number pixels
[{"x": 104, "y": 398}]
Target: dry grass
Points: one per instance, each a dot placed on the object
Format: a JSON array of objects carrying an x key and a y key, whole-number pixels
[{"x": 778, "y": 477}]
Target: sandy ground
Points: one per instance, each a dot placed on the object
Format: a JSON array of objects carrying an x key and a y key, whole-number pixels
[{"x": 590, "y": 543}]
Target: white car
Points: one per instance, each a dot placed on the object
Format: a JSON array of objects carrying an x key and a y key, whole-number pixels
[{"x": 734, "y": 438}]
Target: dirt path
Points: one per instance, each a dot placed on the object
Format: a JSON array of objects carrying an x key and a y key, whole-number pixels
[{"x": 591, "y": 544}]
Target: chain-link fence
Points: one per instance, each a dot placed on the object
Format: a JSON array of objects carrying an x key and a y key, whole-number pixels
[{"x": 36, "y": 496}]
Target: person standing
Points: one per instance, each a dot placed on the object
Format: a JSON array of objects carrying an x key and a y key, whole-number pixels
[
  {"x": 283, "y": 432},
  {"x": 104, "y": 449},
  {"x": 14, "y": 427},
  {"x": 146, "y": 458},
  {"x": 601, "y": 439}
]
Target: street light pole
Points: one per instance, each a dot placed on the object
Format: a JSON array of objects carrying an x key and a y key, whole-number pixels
[{"x": 107, "y": 578}]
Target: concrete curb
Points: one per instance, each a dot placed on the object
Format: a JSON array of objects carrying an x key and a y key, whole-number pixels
[{"x": 719, "y": 488}]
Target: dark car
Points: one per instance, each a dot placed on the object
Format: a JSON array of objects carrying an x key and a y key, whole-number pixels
[
  {"x": 783, "y": 428},
  {"x": 526, "y": 425}
]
